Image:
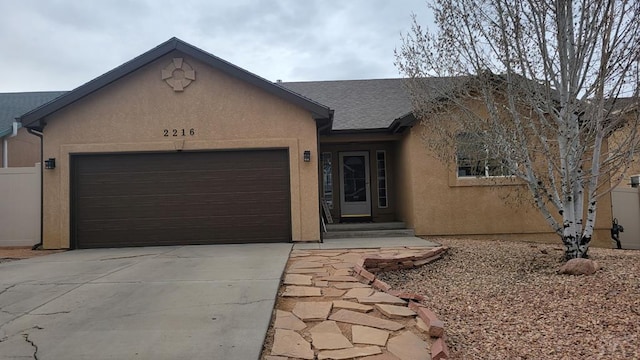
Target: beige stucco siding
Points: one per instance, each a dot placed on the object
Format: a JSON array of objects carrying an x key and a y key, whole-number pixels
[
  {"x": 435, "y": 202},
  {"x": 132, "y": 114},
  {"x": 405, "y": 208}
]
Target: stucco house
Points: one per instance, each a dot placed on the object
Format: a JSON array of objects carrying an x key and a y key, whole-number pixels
[{"x": 178, "y": 146}]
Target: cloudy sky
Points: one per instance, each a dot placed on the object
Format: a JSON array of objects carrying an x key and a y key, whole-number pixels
[{"x": 61, "y": 44}]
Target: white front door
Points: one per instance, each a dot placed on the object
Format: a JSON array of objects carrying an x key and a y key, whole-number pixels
[{"x": 355, "y": 192}]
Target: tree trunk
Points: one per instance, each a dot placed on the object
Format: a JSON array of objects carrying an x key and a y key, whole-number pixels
[{"x": 576, "y": 246}]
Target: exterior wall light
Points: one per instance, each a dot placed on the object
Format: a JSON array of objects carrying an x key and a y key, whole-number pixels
[
  {"x": 307, "y": 156},
  {"x": 50, "y": 163}
]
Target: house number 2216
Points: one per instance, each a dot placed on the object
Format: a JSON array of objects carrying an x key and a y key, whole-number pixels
[{"x": 179, "y": 132}]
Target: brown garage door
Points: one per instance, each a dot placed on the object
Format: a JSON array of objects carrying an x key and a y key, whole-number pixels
[{"x": 180, "y": 198}]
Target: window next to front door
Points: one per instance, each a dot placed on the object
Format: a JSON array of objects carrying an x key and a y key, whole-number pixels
[
  {"x": 327, "y": 179},
  {"x": 381, "y": 164}
]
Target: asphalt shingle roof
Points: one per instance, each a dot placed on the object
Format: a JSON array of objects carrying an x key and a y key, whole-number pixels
[
  {"x": 12, "y": 105},
  {"x": 358, "y": 104}
]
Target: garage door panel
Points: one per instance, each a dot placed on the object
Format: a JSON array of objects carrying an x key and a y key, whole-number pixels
[
  {"x": 170, "y": 206},
  {"x": 115, "y": 233},
  {"x": 177, "y": 183},
  {"x": 181, "y": 198}
]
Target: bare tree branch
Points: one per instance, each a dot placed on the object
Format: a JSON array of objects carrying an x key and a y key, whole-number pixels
[{"x": 538, "y": 80}]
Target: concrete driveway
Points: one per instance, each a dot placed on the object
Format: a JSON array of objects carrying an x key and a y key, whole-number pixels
[{"x": 187, "y": 302}]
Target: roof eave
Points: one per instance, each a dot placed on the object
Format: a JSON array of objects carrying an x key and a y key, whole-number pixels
[
  {"x": 402, "y": 123},
  {"x": 29, "y": 119}
]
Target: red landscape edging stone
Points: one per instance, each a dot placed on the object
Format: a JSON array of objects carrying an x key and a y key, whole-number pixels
[
  {"x": 439, "y": 350},
  {"x": 368, "y": 265}
]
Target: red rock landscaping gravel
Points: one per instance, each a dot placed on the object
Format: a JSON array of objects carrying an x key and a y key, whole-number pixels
[{"x": 504, "y": 300}]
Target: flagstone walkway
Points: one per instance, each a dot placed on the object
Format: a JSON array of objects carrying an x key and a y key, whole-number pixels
[{"x": 331, "y": 306}]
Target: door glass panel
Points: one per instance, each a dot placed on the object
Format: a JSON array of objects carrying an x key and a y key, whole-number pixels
[{"x": 355, "y": 183}]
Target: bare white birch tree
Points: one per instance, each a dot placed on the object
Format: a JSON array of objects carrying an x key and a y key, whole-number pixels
[{"x": 548, "y": 75}]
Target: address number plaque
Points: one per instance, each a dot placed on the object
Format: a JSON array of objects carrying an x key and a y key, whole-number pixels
[{"x": 178, "y": 132}]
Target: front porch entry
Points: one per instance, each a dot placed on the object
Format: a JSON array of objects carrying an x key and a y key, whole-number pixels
[{"x": 357, "y": 181}]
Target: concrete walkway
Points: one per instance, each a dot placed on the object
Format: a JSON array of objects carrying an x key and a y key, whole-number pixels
[
  {"x": 189, "y": 302},
  {"x": 365, "y": 243}
]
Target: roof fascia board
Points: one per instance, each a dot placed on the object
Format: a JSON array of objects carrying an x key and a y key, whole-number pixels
[
  {"x": 400, "y": 124},
  {"x": 30, "y": 118},
  {"x": 319, "y": 110},
  {"x": 101, "y": 81}
]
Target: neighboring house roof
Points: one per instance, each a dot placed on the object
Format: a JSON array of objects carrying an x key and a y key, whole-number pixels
[
  {"x": 13, "y": 105},
  {"x": 358, "y": 104},
  {"x": 33, "y": 119},
  {"x": 625, "y": 105}
]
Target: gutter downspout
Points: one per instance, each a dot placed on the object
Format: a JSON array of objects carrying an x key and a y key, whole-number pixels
[
  {"x": 39, "y": 134},
  {"x": 5, "y": 144},
  {"x": 5, "y": 157}
]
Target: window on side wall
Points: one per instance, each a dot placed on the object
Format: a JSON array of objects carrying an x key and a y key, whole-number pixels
[{"x": 475, "y": 160}]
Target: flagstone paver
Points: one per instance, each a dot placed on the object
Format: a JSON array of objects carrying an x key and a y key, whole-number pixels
[
  {"x": 312, "y": 258},
  {"x": 332, "y": 292},
  {"x": 349, "y": 285},
  {"x": 408, "y": 346},
  {"x": 328, "y": 253},
  {"x": 357, "y": 293},
  {"x": 394, "y": 311},
  {"x": 301, "y": 291},
  {"x": 348, "y": 353},
  {"x": 330, "y": 341},
  {"x": 286, "y": 320},
  {"x": 327, "y": 326},
  {"x": 357, "y": 318},
  {"x": 299, "y": 253},
  {"x": 333, "y": 281},
  {"x": 342, "y": 265},
  {"x": 312, "y": 310},
  {"x": 305, "y": 264},
  {"x": 350, "y": 305},
  {"x": 381, "y": 298},
  {"x": 314, "y": 271},
  {"x": 340, "y": 278},
  {"x": 327, "y": 336},
  {"x": 383, "y": 356},
  {"x": 297, "y": 279},
  {"x": 343, "y": 272},
  {"x": 290, "y": 343},
  {"x": 369, "y": 335}
]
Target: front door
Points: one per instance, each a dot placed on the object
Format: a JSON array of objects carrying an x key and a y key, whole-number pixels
[{"x": 355, "y": 194}]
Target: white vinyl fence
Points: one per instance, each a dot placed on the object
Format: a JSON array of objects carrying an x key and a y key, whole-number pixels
[
  {"x": 20, "y": 206},
  {"x": 626, "y": 208}
]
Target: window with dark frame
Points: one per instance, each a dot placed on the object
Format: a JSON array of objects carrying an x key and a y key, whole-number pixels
[{"x": 475, "y": 160}]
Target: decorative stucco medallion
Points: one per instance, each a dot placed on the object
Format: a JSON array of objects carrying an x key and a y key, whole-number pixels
[{"x": 178, "y": 74}]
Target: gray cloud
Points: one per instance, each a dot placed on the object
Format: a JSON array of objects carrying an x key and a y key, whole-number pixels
[{"x": 61, "y": 44}]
